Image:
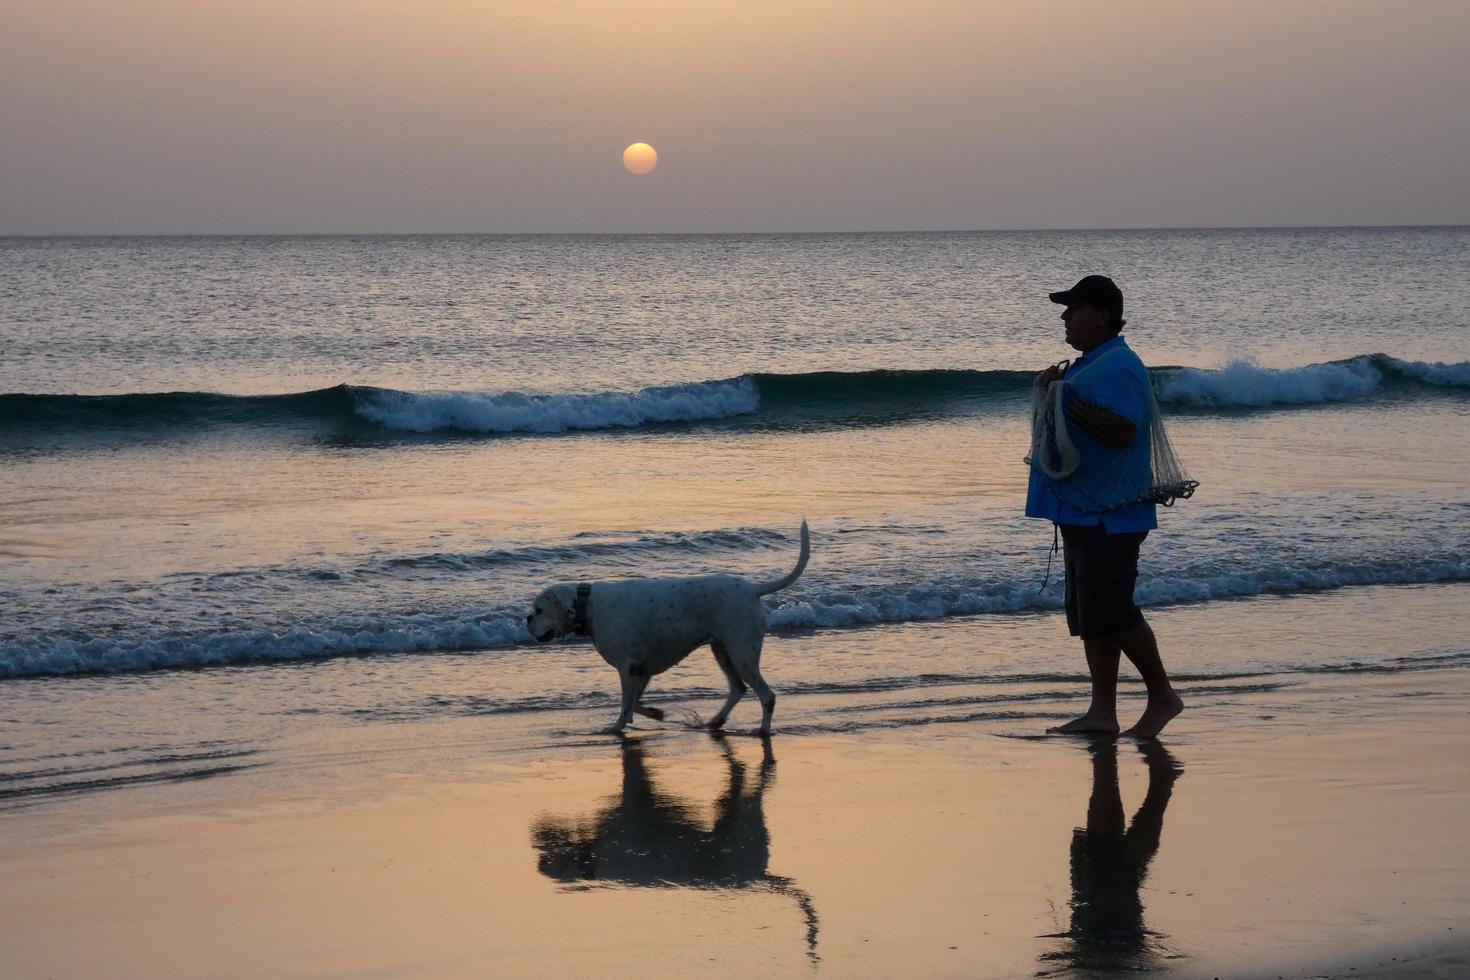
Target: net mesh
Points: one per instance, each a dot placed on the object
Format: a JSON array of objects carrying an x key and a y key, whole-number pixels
[{"x": 1103, "y": 479}]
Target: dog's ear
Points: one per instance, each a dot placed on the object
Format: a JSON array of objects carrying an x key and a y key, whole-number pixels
[{"x": 564, "y": 598}]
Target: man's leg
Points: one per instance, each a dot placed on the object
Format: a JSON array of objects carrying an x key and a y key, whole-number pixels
[
  {"x": 1142, "y": 649},
  {"x": 1148, "y": 823},
  {"x": 1103, "y": 654}
]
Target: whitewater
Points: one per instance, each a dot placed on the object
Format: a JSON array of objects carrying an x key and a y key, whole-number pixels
[{"x": 782, "y": 400}]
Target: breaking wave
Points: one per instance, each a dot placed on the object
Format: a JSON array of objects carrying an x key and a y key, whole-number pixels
[
  {"x": 1246, "y": 385},
  {"x": 777, "y": 401},
  {"x": 405, "y": 411}
]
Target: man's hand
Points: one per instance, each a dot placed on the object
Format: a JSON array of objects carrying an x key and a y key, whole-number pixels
[{"x": 1053, "y": 373}]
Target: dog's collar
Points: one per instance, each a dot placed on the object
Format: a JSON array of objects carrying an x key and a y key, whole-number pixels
[{"x": 581, "y": 614}]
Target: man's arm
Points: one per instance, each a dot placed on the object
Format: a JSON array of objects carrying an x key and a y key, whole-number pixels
[{"x": 1107, "y": 427}]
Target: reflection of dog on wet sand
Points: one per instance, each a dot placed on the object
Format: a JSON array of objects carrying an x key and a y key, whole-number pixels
[
  {"x": 645, "y": 837},
  {"x": 642, "y": 627}
]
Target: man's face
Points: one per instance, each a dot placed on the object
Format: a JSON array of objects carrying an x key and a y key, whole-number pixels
[{"x": 1087, "y": 327}]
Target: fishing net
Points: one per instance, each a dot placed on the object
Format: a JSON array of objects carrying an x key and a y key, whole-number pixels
[{"x": 1103, "y": 479}]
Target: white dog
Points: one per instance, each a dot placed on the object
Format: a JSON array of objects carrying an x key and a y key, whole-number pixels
[{"x": 643, "y": 627}]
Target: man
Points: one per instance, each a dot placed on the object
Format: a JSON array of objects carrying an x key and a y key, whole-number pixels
[{"x": 1105, "y": 405}]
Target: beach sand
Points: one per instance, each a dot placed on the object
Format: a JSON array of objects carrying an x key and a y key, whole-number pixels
[{"x": 1334, "y": 844}]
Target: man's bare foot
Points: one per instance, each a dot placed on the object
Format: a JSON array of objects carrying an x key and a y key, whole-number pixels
[
  {"x": 1088, "y": 724},
  {"x": 1155, "y": 717}
]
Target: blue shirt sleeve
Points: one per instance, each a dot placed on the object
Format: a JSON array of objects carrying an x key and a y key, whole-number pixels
[{"x": 1120, "y": 388}]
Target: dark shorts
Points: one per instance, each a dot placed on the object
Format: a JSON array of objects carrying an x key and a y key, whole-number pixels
[{"x": 1101, "y": 569}]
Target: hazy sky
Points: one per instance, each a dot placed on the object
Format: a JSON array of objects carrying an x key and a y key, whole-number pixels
[{"x": 143, "y": 116}]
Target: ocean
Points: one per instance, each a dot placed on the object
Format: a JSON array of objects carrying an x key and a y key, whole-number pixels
[{"x": 257, "y": 487}]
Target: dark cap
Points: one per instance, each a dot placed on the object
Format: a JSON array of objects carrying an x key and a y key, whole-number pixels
[{"x": 1099, "y": 292}]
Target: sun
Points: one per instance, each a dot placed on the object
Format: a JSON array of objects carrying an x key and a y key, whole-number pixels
[{"x": 640, "y": 159}]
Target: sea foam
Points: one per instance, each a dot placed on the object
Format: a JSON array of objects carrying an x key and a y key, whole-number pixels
[
  {"x": 1243, "y": 384},
  {"x": 341, "y": 636},
  {"x": 816, "y": 606},
  {"x": 514, "y": 412}
]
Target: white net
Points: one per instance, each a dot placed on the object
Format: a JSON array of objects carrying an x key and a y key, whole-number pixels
[{"x": 1093, "y": 477}]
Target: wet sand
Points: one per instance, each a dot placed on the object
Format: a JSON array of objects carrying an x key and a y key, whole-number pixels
[{"x": 1332, "y": 848}]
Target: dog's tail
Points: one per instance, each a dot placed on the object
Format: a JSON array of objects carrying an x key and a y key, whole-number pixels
[
  {"x": 787, "y": 888},
  {"x": 766, "y": 588}
]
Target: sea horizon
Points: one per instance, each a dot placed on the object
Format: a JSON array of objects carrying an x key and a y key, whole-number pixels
[{"x": 1081, "y": 229}]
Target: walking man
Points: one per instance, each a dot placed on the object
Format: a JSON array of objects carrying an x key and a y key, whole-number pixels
[{"x": 1102, "y": 417}]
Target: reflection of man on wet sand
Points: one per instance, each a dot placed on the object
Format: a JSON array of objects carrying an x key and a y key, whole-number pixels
[
  {"x": 644, "y": 837},
  {"x": 1109, "y": 864}
]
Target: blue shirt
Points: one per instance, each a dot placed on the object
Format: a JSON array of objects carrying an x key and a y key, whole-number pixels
[{"x": 1118, "y": 382}]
